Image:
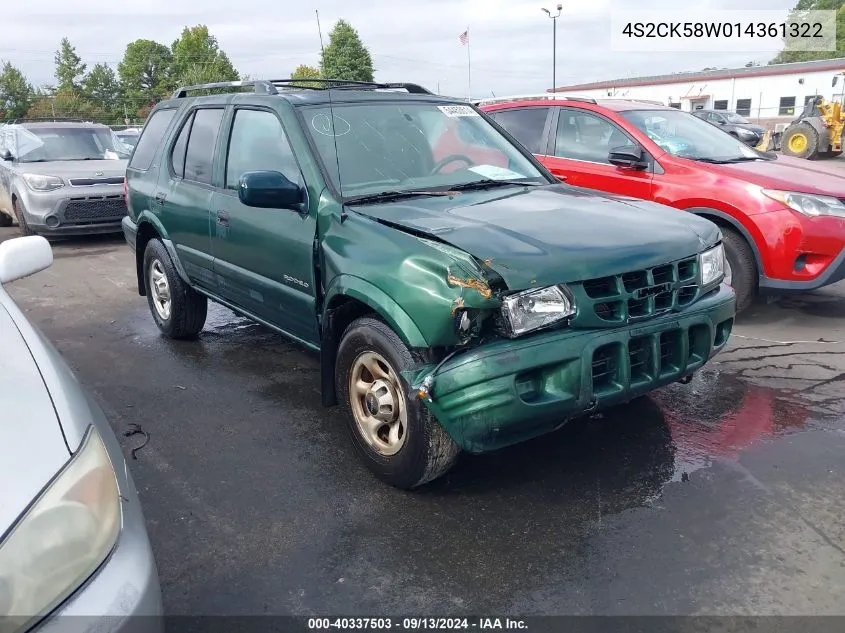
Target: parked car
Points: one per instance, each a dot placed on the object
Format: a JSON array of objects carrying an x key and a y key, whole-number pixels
[
  {"x": 72, "y": 536},
  {"x": 129, "y": 137},
  {"x": 781, "y": 218},
  {"x": 733, "y": 124},
  {"x": 459, "y": 296},
  {"x": 61, "y": 178}
]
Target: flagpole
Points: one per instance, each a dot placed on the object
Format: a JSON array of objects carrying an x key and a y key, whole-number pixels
[{"x": 469, "y": 70}]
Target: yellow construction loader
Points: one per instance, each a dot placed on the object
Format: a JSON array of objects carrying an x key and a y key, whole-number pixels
[{"x": 817, "y": 132}]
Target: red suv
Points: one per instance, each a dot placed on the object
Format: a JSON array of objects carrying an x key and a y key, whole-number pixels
[{"x": 782, "y": 218}]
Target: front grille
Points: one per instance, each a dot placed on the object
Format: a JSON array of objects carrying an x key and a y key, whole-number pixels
[
  {"x": 82, "y": 210},
  {"x": 637, "y": 294}
]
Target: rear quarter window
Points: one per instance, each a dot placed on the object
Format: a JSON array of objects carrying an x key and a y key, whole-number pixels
[{"x": 151, "y": 137}]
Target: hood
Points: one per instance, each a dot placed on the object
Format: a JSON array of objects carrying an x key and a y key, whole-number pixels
[
  {"x": 76, "y": 168},
  {"x": 539, "y": 236},
  {"x": 785, "y": 172},
  {"x": 32, "y": 447}
]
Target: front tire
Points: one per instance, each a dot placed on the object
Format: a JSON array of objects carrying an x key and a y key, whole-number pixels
[
  {"x": 23, "y": 225},
  {"x": 801, "y": 140},
  {"x": 394, "y": 434},
  {"x": 5, "y": 220},
  {"x": 742, "y": 274},
  {"x": 178, "y": 310}
]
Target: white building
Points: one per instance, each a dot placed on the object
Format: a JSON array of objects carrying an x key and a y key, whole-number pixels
[{"x": 761, "y": 93}]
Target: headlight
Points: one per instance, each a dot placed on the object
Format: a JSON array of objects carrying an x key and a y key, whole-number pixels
[
  {"x": 533, "y": 309},
  {"x": 39, "y": 182},
  {"x": 712, "y": 265},
  {"x": 62, "y": 538},
  {"x": 808, "y": 204}
]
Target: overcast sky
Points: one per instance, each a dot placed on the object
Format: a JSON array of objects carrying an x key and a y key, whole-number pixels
[{"x": 510, "y": 40}]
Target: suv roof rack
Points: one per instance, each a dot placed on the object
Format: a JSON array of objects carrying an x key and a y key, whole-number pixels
[
  {"x": 545, "y": 96},
  {"x": 271, "y": 86}
]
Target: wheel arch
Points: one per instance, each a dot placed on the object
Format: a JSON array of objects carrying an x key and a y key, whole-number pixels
[
  {"x": 722, "y": 219},
  {"x": 346, "y": 299},
  {"x": 149, "y": 227}
]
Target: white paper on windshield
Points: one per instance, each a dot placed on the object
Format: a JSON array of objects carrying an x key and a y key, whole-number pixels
[
  {"x": 457, "y": 110},
  {"x": 495, "y": 173}
]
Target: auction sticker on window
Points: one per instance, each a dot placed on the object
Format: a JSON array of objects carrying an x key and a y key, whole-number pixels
[{"x": 457, "y": 110}]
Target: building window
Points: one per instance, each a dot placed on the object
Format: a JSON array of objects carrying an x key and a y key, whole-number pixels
[
  {"x": 743, "y": 107},
  {"x": 787, "y": 106},
  {"x": 721, "y": 104},
  {"x": 808, "y": 99},
  {"x": 675, "y": 104}
]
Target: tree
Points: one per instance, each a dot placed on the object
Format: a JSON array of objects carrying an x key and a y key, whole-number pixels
[
  {"x": 144, "y": 72},
  {"x": 66, "y": 104},
  {"x": 786, "y": 56},
  {"x": 16, "y": 94},
  {"x": 346, "y": 57},
  {"x": 197, "y": 48},
  {"x": 304, "y": 71},
  {"x": 69, "y": 67},
  {"x": 102, "y": 87}
]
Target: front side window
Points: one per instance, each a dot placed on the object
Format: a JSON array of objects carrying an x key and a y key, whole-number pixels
[
  {"x": 587, "y": 137},
  {"x": 199, "y": 156},
  {"x": 40, "y": 144},
  {"x": 687, "y": 136},
  {"x": 258, "y": 143},
  {"x": 367, "y": 148}
]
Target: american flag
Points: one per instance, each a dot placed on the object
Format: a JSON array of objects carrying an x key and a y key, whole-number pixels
[{"x": 464, "y": 37}]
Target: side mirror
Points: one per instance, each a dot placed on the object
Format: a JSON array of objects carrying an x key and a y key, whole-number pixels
[
  {"x": 24, "y": 256},
  {"x": 628, "y": 157},
  {"x": 6, "y": 154},
  {"x": 269, "y": 190}
]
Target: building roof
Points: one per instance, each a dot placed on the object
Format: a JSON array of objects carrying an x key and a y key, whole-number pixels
[{"x": 820, "y": 65}]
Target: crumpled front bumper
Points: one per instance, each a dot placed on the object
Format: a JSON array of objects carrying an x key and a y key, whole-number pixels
[{"x": 511, "y": 390}]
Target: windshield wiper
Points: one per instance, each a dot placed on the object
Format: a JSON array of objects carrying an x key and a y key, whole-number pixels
[
  {"x": 490, "y": 184},
  {"x": 725, "y": 161},
  {"x": 389, "y": 196}
]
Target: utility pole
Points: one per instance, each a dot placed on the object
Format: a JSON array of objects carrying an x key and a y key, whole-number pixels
[{"x": 554, "y": 41}]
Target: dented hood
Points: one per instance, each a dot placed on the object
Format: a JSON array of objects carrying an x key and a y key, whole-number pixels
[{"x": 540, "y": 236}]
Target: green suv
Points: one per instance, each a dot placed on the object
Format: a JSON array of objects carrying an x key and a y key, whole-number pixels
[{"x": 459, "y": 295}]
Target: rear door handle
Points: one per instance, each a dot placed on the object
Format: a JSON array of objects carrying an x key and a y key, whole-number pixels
[
  {"x": 223, "y": 218},
  {"x": 160, "y": 197}
]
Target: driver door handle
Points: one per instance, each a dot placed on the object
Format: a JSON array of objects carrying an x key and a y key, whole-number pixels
[
  {"x": 160, "y": 197},
  {"x": 222, "y": 218}
]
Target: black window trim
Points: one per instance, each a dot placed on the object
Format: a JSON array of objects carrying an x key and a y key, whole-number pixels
[
  {"x": 230, "y": 125},
  {"x": 653, "y": 166}
]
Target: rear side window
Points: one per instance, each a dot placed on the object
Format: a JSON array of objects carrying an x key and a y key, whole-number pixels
[
  {"x": 177, "y": 155},
  {"x": 526, "y": 125},
  {"x": 151, "y": 137},
  {"x": 199, "y": 156}
]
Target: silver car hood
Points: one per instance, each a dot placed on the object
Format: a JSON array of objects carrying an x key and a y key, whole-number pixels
[
  {"x": 76, "y": 168},
  {"x": 32, "y": 446}
]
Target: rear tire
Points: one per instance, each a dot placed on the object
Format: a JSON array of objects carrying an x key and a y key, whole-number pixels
[
  {"x": 407, "y": 457},
  {"x": 744, "y": 274},
  {"x": 23, "y": 225},
  {"x": 793, "y": 145},
  {"x": 178, "y": 310}
]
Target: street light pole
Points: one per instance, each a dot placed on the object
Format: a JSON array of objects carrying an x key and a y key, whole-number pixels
[{"x": 554, "y": 40}]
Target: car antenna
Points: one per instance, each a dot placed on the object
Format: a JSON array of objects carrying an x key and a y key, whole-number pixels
[{"x": 343, "y": 214}]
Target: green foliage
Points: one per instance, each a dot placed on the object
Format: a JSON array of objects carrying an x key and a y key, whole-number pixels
[
  {"x": 145, "y": 72},
  {"x": 16, "y": 95},
  {"x": 67, "y": 104},
  {"x": 102, "y": 87},
  {"x": 818, "y": 5},
  {"x": 304, "y": 71},
  {"x": 346, "y": 57},
  {"x": 69, "y": 67},
  {"x": 196, "y": 54}
]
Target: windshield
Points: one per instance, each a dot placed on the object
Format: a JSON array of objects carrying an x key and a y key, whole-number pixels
[
  {"x": 735, "y": 118},
  {"x": 42, "y": 144},
  {"x": 412, "y": 146},
  {"x": 687, "y": 136}
]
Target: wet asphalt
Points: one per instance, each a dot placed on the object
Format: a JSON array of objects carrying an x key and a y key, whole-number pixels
[{"x": 724, "y": 496}]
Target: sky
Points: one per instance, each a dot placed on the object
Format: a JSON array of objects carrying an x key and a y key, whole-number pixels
[{"x": 510, "y": 41}]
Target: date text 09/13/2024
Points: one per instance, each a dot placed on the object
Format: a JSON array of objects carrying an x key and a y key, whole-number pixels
[{"x": 417, "y": 624}]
